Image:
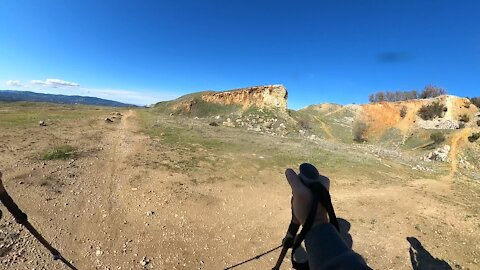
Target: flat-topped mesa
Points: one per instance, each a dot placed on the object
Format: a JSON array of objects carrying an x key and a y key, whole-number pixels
[{"x": 267, "y": 96}]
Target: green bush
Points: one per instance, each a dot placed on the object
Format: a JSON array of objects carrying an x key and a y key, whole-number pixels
[
  {"x": 464, "y": 118},
  {"x": 59, "y": 152},
  {"x": 359, "y": 131},
  {"x": 432, "y": 111},
  {"x": 474, "y": 137},
  {"x": 437, "y": 137}
]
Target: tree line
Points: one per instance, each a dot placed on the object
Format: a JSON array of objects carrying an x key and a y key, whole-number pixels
[{"x": 430, "y": 91}]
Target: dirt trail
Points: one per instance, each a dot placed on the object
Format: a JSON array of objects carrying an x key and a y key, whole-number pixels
[
  {"x": 104, "y": 213},
  {"x": 335, "y": 111},
  {"x": 325, "y": 128}
]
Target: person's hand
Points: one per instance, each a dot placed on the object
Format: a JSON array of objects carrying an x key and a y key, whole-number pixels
[{"x": 302, "y": 199}]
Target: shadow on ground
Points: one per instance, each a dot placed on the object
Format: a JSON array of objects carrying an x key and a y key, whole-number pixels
[{"x": 422, "y": 259}]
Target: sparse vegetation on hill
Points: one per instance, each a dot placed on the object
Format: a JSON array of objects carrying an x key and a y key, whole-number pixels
[
  {"x": 432, "y": 111},
  {"x": 430, "y": 91},
  {"x": 393, "y": 96},
  {"x": 193, "y": 105}
]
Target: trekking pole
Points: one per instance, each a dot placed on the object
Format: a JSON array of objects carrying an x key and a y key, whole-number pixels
[
  {"x": 254, "y": 258},
  {"x": 22, "y": 218},
  {"x": 287, "y": 242}
]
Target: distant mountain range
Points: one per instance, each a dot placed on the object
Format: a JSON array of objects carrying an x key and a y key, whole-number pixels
[{"x": 12, "y": 95}]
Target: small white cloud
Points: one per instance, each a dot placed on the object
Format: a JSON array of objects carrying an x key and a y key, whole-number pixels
[
  {"x": 14, "y": 83},
  {"x": 38, "y": 82},
  {"x": 55, "y": 83}
]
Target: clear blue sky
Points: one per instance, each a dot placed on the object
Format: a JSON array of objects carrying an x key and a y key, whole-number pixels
[{"x": 322, "y": 51}]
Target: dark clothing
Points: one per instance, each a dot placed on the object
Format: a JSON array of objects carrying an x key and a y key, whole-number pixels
[{"x": 327, "y": 251}]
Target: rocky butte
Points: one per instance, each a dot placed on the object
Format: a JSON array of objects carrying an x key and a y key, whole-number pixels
[{"x": 267, "y": 96}]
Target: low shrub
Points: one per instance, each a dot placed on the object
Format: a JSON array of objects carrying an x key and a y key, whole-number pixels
[
  {"x": 359, "y": 131},
  {"x": 464, "y": 118},
  {"x": 437, "y": 137},
  {"x": 304, "y": 123},
  {"x": 474, "y": 137},
  {"x": 59, "y": 152},
  {"x": 432, "y": 111}
]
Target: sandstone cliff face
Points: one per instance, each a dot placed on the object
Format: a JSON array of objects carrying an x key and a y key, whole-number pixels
[{"x": 268, "y": 96}]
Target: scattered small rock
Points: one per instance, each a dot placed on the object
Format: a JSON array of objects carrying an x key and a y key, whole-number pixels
[
  {"x": 440, "y": 154},
  {"x": 144, "y": 261}
]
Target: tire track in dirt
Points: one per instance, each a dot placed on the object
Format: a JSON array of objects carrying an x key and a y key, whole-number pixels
[{"x": 102, "y": 229}]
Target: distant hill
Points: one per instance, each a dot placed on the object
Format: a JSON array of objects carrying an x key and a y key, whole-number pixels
[{"x": 12, "y": 95}]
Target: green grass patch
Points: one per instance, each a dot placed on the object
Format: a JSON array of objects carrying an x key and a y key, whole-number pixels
[
  {"x": 392, "y": 135},
  {"x": 59, "y": 152},
  {"x": 22, "y": 114}
]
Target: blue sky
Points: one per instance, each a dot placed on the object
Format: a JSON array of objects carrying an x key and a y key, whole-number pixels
[{"x": 322, "y": 51}]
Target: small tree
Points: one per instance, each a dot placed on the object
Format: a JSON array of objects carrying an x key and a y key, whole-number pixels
[
  {"x": 371, "y": 98},
  {"x": 390, "y": 96},
  {"x": 359, "y": 131},
  {"x": 431, "y": 91},
  {"x": 403, "y": 111},
  {"x": 432, "y": 111},
  {"x": 380, "y": 96},
  {"x": 437, "y": 137}
]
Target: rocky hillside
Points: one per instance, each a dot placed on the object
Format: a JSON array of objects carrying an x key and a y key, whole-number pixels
[
  {"x": 268, "y": 97},
  {"x": 434, "y": 129}
]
